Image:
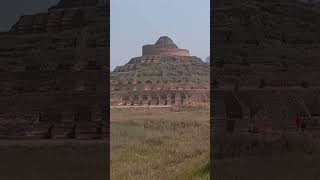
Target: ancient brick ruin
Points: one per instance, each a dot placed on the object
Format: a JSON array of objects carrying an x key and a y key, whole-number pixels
[
  {"x": 163, "y": 76},
  {"x": 164, "y": 46},
  {"x": 54, "y": 67},
  {"x": 264, "y": 73}
]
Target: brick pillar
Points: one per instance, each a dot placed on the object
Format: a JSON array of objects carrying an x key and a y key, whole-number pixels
[
  {"x": 140, "y": 100},
  {"x": 161, "y": 101},
  {"x": 172, "y": 101},
  {"x": 178, "y": 99},
  {"x": 131, "y": 101},
  {"x": 149, "y": 99},
  {"x": 168, "y": 99}
]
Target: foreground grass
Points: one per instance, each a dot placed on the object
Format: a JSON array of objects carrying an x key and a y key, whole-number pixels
[
  {"x": 291, "y": 166},
  {"x": 160, "y": 143},
  {"x": 287, "y": 157},
  {"x": 52, "y": 162}
]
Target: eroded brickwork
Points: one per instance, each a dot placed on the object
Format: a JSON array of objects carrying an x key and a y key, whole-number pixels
[
  {"x": 266, "y": 64},
  {"x": 53, "y": 73},
  {"x": 163, "y": 76}
]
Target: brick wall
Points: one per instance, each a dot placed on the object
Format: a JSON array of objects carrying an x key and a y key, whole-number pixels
[{"x": 153, "y": 50}]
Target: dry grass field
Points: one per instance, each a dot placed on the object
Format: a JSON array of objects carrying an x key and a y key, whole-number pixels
[
  {"x": 286, "y": 157},
  {"x": 160, "y": 143},
  {"x": 52, "y": 160}
]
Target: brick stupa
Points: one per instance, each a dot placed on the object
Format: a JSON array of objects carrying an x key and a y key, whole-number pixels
[
  {"x": 163, "y": 76},
  {"x": 164, "y": 46}
]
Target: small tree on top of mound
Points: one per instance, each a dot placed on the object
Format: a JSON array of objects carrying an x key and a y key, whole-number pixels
[{"x": 207, "y": 60}]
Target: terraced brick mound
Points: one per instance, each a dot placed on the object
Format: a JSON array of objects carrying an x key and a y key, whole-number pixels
[
  {"x": 163, "y": 76},
  {"x": 53, "y": 67},
  {"x": 265, "y": 66}
]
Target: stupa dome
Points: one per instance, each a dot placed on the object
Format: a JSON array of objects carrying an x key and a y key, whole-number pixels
[
  {"x": 166, "y": 42},
  {"x": 163, "y": 47}
]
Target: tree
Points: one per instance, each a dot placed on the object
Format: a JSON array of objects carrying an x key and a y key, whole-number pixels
[{"x": 207, "y": 60}]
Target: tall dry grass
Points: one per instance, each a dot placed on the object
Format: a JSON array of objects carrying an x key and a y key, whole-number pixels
[
  {"x": 265, "y": 157},
  {"x": 38, "y": 160},
  {"x": 160, "y": 143}
]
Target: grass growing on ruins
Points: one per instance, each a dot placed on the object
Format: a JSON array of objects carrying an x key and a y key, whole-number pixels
[
  {"x": 286, "y": 157},
  {"x": 45, "y": 160},
  {"x": 160, "y": 143}
]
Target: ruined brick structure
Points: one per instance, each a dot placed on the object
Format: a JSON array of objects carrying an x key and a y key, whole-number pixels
[
  {"x": 164, "y": 46},
  {"x": 54, "y": 67},
  {"x": 264, "y": 73},
  {"x": 163, "y": 76}
]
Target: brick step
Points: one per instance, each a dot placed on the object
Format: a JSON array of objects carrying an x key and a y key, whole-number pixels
[
  {"x": 13, "y": 137},
  {"x": 88, "y": 136},
  {"x": 89, "y": 130},
  {"x": 62, "y": 130},
  {"x": 36, "y": 135},
  {"x": 38, "y": 130},
  {"x": 314, "y": 128}
]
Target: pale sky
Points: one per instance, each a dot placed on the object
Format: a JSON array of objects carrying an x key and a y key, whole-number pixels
[{"x": 138, "y": 22}]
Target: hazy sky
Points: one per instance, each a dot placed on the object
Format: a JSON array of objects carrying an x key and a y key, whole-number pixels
[
  {"x": 11, "y": 10},
  {"x": 138, "y": 22}
]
